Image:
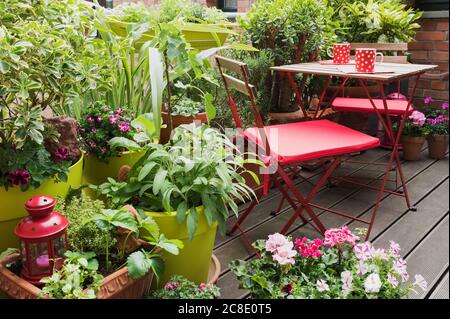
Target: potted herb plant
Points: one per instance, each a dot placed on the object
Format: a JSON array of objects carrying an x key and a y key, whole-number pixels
[
  {"x": 414, "y": 136},
  {"x": 115, "y": 254},
  {"x": 337, "y": 267},
  {"x": 186, "y": 187},
  {"x": 99, "y": 124},
  {"x": 437, "y": 122}
]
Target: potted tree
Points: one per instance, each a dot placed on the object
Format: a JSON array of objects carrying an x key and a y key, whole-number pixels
[
  {"x": 186, "y": 187},
  {"x": 414, "y": 136},
  {"x": 437, "y": 122}
]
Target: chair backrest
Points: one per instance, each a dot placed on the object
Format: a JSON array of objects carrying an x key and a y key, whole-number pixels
[
  {"x": 397, "y": 49},
  {"x": 242, "y": 86}
]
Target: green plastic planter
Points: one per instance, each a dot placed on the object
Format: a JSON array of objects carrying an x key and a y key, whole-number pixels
[
  {"x": 96, "y": 172},
  {"x": 194, "y": 259},
  {"x": 12, "y": 207},
  {"x": 200, "y": 36}
]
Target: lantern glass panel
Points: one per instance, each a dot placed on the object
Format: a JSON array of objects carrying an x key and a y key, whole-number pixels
[
  {"x": 59, "y": 246},
  {"x": 23, "y": 252},
  {"x": 40, "y": 263}
]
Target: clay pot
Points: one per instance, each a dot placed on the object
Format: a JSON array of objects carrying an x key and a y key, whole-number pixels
[
  {"x": 412, "y": 147},
  {"x": 437, "y": 146},
  {"x": 117, "y": 285},
  {"x": 178, "y": 120}
]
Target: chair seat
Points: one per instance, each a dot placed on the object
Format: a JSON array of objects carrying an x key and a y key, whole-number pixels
[
  {"x": 304, "y": 141},
  {"x": 346, "y": 104}
]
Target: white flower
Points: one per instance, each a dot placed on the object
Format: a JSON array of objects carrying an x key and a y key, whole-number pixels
[
  {"x": 372, "y": 283},
  {"x": 363, "y": 251},
  {"x": 394, "y": 248},
  {"x": 400, "y": 267},
  {"x": 379, "y": 254},
  {"x": 347, "y": 278},
  {"x": 392, "y": 280},
  {"x": 420, "y": 282},
  {"x": 322, "y": 285},
  {"x": 362, "y": 268}
]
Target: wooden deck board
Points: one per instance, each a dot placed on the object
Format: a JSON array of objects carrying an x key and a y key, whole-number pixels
[
  {"x": 425, "y": 178},
  {"x": 441, "y": 291}
]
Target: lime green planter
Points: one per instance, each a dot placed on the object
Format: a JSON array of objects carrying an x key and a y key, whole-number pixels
[
  {"x": 12, "y": 201},
  {"x": 194, "y": 259},
  {"x": 96, "y": 172},
  {"x": 200, "y": 36}
]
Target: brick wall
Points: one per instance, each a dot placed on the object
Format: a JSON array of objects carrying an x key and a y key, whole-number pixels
[{"x": 431, "y": 47}]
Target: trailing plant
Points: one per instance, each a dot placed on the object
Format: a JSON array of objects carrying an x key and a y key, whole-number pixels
[
  {"x": 24, "y": 161},
  {"x": 179, "y": 287},
  {"x": 77, "y": 279},
  {"x": 80, "y": 236},
  {"x": 50, "y": 56},
  {"x": 99, "y": 124},
  {"x": 199, "y": 168},
  {"x": 338, "y": 267}
]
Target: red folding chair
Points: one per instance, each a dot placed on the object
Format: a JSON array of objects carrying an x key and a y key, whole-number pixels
[{"x": 281, "y": 146}]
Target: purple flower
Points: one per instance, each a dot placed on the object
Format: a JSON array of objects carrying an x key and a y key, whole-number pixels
[
  {"x": 99, "y": 118},
  {"x": 113, "y": 119},
  {"x": 428, "y": 100},
  {"x": 202, "y": 286},
  {"x": 418, "y": 118},
  {"x": 90, "y": 119},
  {"x": 93, "y": 130},
  {"x": 119, "y": 111},
  {"x": 171, "y": 285},
  {"x": 92, "y": 144},
  {"x": 19, "y": 177},
  {"x": 124, "y": 127},
  {"x": 62, "y": 153},
  {"x": 444, "y": 106}
]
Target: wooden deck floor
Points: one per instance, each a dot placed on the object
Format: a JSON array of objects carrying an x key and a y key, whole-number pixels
[{"x": 423, "y": 235}]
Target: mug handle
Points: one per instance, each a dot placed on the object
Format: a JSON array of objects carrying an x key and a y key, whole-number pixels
[
  {"x": 380, "y": 54},
  {"x": 330, "y": 53}
]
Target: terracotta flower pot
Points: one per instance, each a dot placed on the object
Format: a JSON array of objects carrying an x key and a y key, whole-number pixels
[
  {"x": 412, "y": 147},
  {"x": 117, "y": 285},
  {"x": 178, "y": 120},
  {"x": 437, "y": 146}
]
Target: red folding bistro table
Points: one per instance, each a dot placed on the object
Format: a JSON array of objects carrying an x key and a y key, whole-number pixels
[{"x": 385, "y": 109}]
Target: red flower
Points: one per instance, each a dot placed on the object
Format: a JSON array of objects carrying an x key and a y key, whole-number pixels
[
  {"x": 19, "y": 177},
  {"x": 62, "y": 153}
]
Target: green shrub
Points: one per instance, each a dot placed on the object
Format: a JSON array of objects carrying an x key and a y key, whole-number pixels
[{"x": 83, "y": 237}]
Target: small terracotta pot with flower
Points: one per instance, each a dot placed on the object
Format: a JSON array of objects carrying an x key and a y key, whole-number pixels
[
  {"x": 414, "y": 136},
  {"x": 437, "y": 122}
]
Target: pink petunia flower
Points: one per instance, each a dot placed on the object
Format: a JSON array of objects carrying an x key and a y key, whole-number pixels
[
  {"x": 19, "y": 177},
  {"x": 322, "y": 285},
  {"x": 420, "y": 282},
  {"x": 62, "y": 153},
  {"x": 362, "y": 268},
  {"x": 394, "y": 248},
  {"x": 363, "y": 251},
  {"x": 428, "y": 100},
  {"x": 124, "y": 127},
  {"x": 347, "y": 279}
]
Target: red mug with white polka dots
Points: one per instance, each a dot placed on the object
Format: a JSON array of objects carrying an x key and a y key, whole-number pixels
[
  {"x": 340, "y": 53},
  {"x": 365, "y": 60}
]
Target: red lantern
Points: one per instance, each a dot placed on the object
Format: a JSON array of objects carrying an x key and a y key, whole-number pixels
[{"x": 42, "y": 238}]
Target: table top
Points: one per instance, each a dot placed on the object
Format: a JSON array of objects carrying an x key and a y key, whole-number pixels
[{"x": 398, "y": 70}]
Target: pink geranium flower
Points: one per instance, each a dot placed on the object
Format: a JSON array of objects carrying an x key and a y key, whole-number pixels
[
  {"x": 444, "y": 106},
  {"x": 285, "y": 255},
  {"x": 276, "y": 241},
  {"x": 418, "y": 118},
  {"x": 339, "y": 236}
]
